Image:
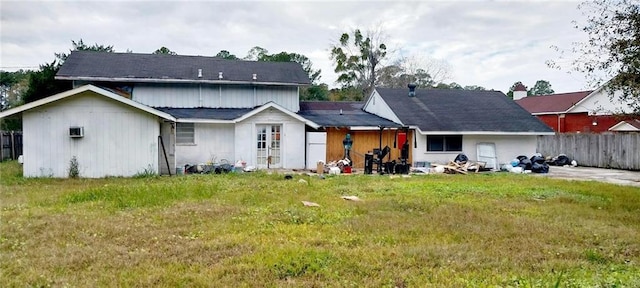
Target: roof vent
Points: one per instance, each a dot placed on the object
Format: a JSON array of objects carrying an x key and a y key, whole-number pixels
[
  {"x": 199, "y": 73},
  {"x": 219, "y": 75},
  {"x": 412, "y": 89},
  {"x": 255, "y": 76}
]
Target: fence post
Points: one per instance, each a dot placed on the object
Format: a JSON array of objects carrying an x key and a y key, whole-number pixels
[
  {"x": 1, "y": 146},
  {"x": 13, "y": 146}
]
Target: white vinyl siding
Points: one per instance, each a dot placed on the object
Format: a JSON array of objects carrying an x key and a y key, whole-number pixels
[
  {"x": 292, "y": 137},
  {"x": 215, "y": 96},
  {"x": 507, "y": 147},
  {"x": 185, "y": 133},
  {"x": 118, "y": 140},
  {"x": 214, "y": 144}
]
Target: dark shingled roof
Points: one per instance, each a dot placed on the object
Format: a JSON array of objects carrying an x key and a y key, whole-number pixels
[
  {"x": 554, "y": 103},
  {"x": 327, "y": 114},
  {"x": 134, "y": 67},
  {"x": 205, "y": 113},
  {"x": 460, "y": 110}
]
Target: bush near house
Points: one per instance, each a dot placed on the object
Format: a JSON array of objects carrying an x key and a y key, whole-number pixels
[{"x": 252, "y": 230}]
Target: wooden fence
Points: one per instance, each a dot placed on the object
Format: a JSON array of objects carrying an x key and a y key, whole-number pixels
[
  {"x": 611, "y": 150},
  {"x": 10, "y": 145}
]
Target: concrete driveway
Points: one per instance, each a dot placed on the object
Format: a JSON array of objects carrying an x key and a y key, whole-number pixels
[{"x": 620, "y": 177}]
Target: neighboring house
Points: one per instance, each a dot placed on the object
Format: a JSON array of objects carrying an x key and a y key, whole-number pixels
[
  {"x": 159, "y": 109},
  {"x": 575, "y": 112},
  {"x": 632, "y": 125},
  {"x": 336, "y": 119},
  {"x": 485, "y": 125}
]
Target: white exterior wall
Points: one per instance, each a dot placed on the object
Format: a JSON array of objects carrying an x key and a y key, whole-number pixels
[
  {"x": 118, "y": 140},
  {"x": 377, "y": 106},
  {"x": 215, "y": 96},
  {"x": 507, "y": 148},
  {"x": 599, "y": 103},
  {"x": 213, "y": 142},
  {"x": 292, "y": 137}
]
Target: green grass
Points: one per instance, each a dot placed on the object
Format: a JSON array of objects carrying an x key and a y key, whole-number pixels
[{"x": 251, "y": 230}]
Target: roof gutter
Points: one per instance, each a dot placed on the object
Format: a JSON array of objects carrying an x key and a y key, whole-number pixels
[
  {"x": 170, "y": 80},
  {"x": 492, "y": 133}
]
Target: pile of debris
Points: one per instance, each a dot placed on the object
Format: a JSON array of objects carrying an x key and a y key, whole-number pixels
[
  {"x": 460, "y": 165},
  {"x": 334, "y": 167},
  {"x": 561, "y": 160},
  {"x": 537, "y": 163},
  {"x": 217, "y": 168}
]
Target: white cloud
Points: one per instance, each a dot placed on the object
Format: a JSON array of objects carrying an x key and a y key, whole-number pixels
[{"x": 490, "y": 44}]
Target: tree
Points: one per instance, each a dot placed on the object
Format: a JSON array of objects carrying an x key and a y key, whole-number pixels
[
  {"x": 256, "y": 53},
  {"x": 610, "y": 56},
  {"x": 80, "y": 46},
  {"x": 261, "y": 54},
  {"x": 395, "y": 76},
  {"x": 542, "y": 87},
  {"x": 318, "y": 92},
  {"x": 346, "y": 94},
  {"x": 452, "y": 85},
  {"x": 474, "y": 88},
  {"x": 314, "y": 92},
  {"x": 224, "y": 54},
  {"x": 164, "y": 50},
  {"x": 357, "y": 57},
  {"x": 307, "y": 66},
  {"x": 12, "y": 87},
  {"x": 42, "y": 83}
]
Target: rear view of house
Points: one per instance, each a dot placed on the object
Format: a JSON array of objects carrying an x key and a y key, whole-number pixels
[{"x": 138, "y": 112}]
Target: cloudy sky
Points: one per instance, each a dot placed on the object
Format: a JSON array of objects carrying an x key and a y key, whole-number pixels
[{"x": 486, "y": 43}]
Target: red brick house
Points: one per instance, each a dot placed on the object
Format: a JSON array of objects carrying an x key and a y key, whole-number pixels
[{"x": 575, "y": 112}]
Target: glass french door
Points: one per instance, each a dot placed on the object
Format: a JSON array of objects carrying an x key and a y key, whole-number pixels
[{"x": 269, "y": 148}]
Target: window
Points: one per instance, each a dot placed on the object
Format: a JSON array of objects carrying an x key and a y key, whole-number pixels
[
  {"x": 444, "y": 143},
  {"x": 185, "y": 133}
]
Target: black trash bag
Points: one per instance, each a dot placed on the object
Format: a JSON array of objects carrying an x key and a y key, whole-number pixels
[
  {"x": 461, "y": 158},
  {"x": 521, "y": 157},
  {"x": 525, "y": 164},
  {"x": 562, "y": 160},
  {"x": 539, "y": 167},
  {"x": 226, "y": 168},
  {"x": 537, "y": 159},
  {"x": 191, "y": 169}
]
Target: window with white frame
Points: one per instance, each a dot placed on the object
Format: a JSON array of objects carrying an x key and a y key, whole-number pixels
[
  {"x": 185, "y": 133},
  {"x": 444, "y": 143}
]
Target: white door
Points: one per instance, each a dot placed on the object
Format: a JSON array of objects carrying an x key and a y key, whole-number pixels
[
  {"x": 316, "y": 148},
  {"x": 268, "y": 145},
  {"x": 487, "y": 153}
]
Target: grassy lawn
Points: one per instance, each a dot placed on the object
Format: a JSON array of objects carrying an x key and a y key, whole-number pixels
[{"x": 251, "y": 230}]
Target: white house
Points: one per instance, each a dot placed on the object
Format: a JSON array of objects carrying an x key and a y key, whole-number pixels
[
  {"x": 157, "y": 113},
  {"x": 485, "y": 125}
]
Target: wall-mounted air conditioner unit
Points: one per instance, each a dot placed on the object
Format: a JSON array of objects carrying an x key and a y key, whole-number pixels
[{"x": 76, "y": 132}]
